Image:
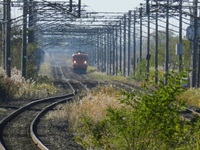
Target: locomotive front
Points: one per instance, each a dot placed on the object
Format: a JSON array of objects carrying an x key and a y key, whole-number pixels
[{"x": 80, "y": 62}]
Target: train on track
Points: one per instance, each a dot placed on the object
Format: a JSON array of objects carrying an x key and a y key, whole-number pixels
[{"x": 80, "y": 62}]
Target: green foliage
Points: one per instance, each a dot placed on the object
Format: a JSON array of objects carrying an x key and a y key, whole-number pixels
[
  {"x": 16, "y": 53},
  {"x": 33, "y": 54},
  {"x": 186, "y": 53},
  {"x": 140, "y": 71},
  {"x": 33, "y": 60},
  {"x": 148, "y": 119},
  {"x": 91, "y": 69},
  {"x": 194, "y": 141},
  {"x": 16, "y": 47},
  {"x": 173, "y": 58}
]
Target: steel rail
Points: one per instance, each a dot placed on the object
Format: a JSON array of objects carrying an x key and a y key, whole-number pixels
[
  {"x": 21, "y": 109},
  {"x": 33, "y": 125},
  {"x": 188, "y": 114},
  {"x": 67, "y": 80}
]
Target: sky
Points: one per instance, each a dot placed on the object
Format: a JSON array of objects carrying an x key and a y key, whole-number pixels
[
  {"x": 103, "y": 5},
  {"x": 111, "y": 5}
]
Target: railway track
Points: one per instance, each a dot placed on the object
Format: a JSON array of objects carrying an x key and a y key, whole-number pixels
[
  {"x": 36, "y": 130},
  {"x": 189, "y": 114},
  {"x": 22, "y": 128},
  {"x": 15, "y": 127}
]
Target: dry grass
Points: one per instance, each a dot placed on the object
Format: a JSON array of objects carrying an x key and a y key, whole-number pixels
[
  {"x": 91, "y": 69},
  {"x": 2, "y": 110},
  {"x": 191, "y": 97},
  {"x": 100, "y": 76},
  {"x": 93, "y": 105},
  {"x": 20, "y": 88}
]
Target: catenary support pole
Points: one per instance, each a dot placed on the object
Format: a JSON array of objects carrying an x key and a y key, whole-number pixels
[
  {"x": 114, "y": 49},
  {"x": 7, "y": 38},
  {"x": 31, "y": 22},
  {"x": 98, "y": 50},
  {"x": 116, "y": 43},
  {"x": 79, "y": 8},
  {"x": 104, "y": 51},
  {"x": 134, "y": 42},
  {"x": 3, "y": 35},
  {"x": 140, "y": 11},
  {"x": 195, "y": 45},
  {"x": 110, "y": 51},
  {"x": 124, "y": 52},
  {"x": 156, "y": 50},
  {"x": 129, "y": 42},
  {"x": 120, "y": 47},
  {"x": 148, "y": 47},
  {"x": 180, "y": 35},
  {"x": 24, "y": 39},
  {"x": 70, "y": 5},
  {"x": 167, "y": 44},
  {"x": 107, "y": 52}
]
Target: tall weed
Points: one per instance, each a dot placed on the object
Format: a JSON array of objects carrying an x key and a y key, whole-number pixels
[{"x": 18, "y": 87}]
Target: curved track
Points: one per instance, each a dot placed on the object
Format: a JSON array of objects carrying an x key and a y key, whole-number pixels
[
  {"x": 38, "y": 137},
  {"x": 14, "y": 129}
]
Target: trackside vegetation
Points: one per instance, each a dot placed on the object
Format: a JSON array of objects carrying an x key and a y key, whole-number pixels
[
  {"x": 143, "y": 119},
  {"x": 19, "y": 88},
  {"x": 191, "y": 97}
]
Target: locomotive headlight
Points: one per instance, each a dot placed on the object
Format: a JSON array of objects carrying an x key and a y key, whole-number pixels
[
  {"x": 85, "y": 62},
  {"x": 74, "y": 61}
]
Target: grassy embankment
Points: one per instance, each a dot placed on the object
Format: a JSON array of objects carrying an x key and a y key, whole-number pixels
[
  {"x": 107, "y": 118},
  {"x": 19, "y": 88}
]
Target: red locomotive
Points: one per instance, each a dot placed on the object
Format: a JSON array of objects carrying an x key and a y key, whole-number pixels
[{"x": 80, "y": 62}]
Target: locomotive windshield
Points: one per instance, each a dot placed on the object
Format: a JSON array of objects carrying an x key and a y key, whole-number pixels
[{"x": 80, "y": 57}]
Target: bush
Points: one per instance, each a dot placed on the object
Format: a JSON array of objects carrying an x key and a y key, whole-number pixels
[{"x": 149, "y": 119}]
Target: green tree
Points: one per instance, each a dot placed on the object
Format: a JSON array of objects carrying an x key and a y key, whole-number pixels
[
  {"x": 186, "y": 53},
  {"x": 173, "y": 40},
  {"x": 16, "y": 47},
  {"x": 173, "y": 58}
]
